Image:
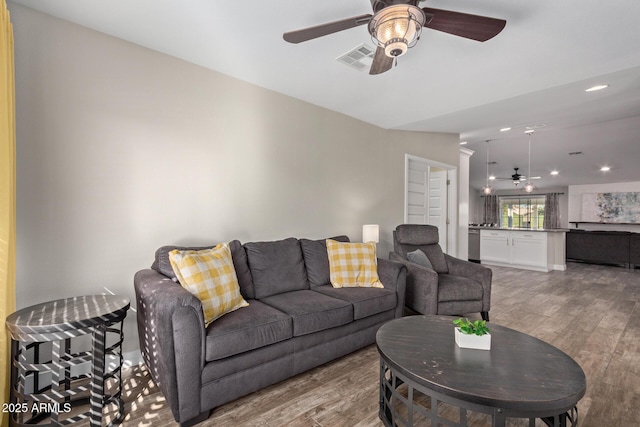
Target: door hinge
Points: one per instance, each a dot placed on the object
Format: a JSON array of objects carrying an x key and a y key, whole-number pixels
[{"x": 448, "y": 182}]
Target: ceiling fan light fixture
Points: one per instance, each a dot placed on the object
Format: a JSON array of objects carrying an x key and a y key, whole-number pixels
[
  {"x": 528, "y": 187},
  {"x": 397, "y": 28}
]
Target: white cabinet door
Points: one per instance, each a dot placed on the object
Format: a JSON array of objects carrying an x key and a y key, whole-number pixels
[
  {"x": 529, "y": 249},
  {"x": 495, "y": 246}
]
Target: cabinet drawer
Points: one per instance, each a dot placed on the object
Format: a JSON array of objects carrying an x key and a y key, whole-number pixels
[
  {"x": 494, "y": 233},
  {"x": 523, "y": 235}
]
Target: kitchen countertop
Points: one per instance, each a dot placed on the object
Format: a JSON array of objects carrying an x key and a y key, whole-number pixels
[{"x": 545, "y": 230}]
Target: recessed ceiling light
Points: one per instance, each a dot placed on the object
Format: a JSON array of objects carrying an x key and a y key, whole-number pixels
[
  {"x": 605, "y": 169},
  {"x": 491, "y": 178},
  {"x": 554, "y": 172},
  {"x": 505, "y": 129},
  {"x": 595, "y": 88},
  {"x": 463, "y": 143}
]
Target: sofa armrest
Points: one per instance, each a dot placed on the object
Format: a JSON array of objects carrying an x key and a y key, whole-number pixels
[
  {"x": 422, "y": 286},
  {"x": 172, "y": 340},
  {"x": 477, "y": 272},
  {"x": 393, "y": 275}
]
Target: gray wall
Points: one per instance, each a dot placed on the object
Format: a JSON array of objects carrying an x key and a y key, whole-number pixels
[{"x": 121, "y": 149}]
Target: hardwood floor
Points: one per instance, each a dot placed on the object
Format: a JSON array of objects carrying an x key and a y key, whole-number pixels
[{"x": 591, "y": 312}]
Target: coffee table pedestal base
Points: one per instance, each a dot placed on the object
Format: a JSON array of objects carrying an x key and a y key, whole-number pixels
[{"x": 405, "y": 403}]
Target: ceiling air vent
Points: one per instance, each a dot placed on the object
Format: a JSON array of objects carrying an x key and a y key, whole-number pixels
[
  {"x": 576, "y": 153},
  {"x": 360, "y": 58}
]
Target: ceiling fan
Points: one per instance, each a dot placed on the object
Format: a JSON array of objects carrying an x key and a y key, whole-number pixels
[
  {"x": 395, "y": 26},
  {"x": 517, "y": 177}
]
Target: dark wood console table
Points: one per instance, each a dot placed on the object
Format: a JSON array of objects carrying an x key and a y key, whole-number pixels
[
  {"x": 424, "y": 375},
  {"x": 42, "y": 382}
]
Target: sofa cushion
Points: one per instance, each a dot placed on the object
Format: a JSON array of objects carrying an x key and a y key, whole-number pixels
[
  {"x": 316, "y": 259},
  {"x": 458, "y": 288},
  {"x": 209, "y": 275},
  {"x": 353, "y": 264},
  {"x": 256, "y": 326},
  {"x": 241, "y": 264},
  {"x": 276, "y": 267},
  {"x": 365, "y": 301},
  {"x": 162, "y": 264},
  {"x": 419, "y": 258},
  {"x": 436, "y": 257},
  {"x": 312, "y": 311}
]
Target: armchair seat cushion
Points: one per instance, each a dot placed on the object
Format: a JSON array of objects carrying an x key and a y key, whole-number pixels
[
  {"x": 458, "y": 288},
  {"x": 243, "y": 330},
  {"x": 312, "y": 311},
  {"x": 366, "y": 301}
]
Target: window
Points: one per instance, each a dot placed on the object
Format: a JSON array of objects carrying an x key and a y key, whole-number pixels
[{"x": 522, "y": 211}]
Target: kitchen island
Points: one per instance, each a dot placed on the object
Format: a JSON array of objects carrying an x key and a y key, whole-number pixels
[{"x": 539, "y": 250}]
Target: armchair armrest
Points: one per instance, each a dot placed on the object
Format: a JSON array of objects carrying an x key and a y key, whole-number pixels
[
  {"x": 393, "y": 275},
  {"x": 422, "y": 286},
  {"x": 172, "y": 340},
  {"x": 477, "y": 272}
]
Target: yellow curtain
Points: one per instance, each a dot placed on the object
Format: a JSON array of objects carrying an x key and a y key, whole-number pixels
[{"x": 7, "y": 198}]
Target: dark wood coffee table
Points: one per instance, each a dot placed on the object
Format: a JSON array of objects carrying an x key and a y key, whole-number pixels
[{"x": 421, "y": 368}]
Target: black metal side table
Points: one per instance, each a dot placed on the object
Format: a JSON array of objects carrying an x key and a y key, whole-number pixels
[{"x": 42, "y": 382}]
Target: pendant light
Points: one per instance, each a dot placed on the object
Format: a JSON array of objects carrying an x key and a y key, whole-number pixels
[
  {"x": 529, "y": 185},
  {"x": 487, "y": 189}
]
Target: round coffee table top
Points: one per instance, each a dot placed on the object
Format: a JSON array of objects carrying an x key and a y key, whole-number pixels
[
  {"x": 63, "y": 316},
  {"x": 519, "y": 372}
]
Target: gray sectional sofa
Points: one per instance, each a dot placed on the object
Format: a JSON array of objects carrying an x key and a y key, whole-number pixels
[{"x": 295, "y": 321}]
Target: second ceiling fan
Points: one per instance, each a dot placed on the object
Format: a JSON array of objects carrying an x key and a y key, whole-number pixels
[
  {"x": 395, "y": 26},
  {"x": 517, "y": 178}
]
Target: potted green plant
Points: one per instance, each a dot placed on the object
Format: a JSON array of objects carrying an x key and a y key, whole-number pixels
[{"x": 472, "y": 334}]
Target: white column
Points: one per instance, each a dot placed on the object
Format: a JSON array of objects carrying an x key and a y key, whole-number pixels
[{"x": 463, "y": 204}]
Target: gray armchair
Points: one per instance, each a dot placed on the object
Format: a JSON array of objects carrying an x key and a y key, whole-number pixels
[{"x": 439, "y": 283}]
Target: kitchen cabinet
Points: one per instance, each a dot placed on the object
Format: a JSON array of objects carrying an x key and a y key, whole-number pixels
[{"x": 528, "y": 249}]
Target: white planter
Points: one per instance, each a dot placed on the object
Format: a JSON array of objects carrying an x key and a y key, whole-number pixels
[{"x": 482, "y": 342}]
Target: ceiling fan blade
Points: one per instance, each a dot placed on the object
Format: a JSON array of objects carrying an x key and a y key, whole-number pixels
[
  {"x": 475, "y": 27},
  {"x": 325, "y": 29},
  {"x": 381, "y": 62}
]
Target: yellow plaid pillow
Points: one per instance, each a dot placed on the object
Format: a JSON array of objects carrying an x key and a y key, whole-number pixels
[
  {"x": 209, "y": 275},
  {"x": 353, "y": 265}
]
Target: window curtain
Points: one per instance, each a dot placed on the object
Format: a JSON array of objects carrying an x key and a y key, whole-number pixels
[
  {"x": 7, "y": 198},
  {"x": 491, "y": 209},
  {"x": 551, "y": 212}
]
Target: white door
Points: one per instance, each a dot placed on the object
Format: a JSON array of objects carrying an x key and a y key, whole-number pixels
[
  {"x": 417, "y": 192},
  {"x": 426, "y": 196},
  {"x": 438, "y": 204}
]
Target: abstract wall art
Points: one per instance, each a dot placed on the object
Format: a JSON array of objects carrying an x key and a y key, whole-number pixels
[{"x": 611, "y": 207}]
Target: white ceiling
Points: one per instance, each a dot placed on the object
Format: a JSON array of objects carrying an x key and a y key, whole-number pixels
[{"x": 532, "y": 73}]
